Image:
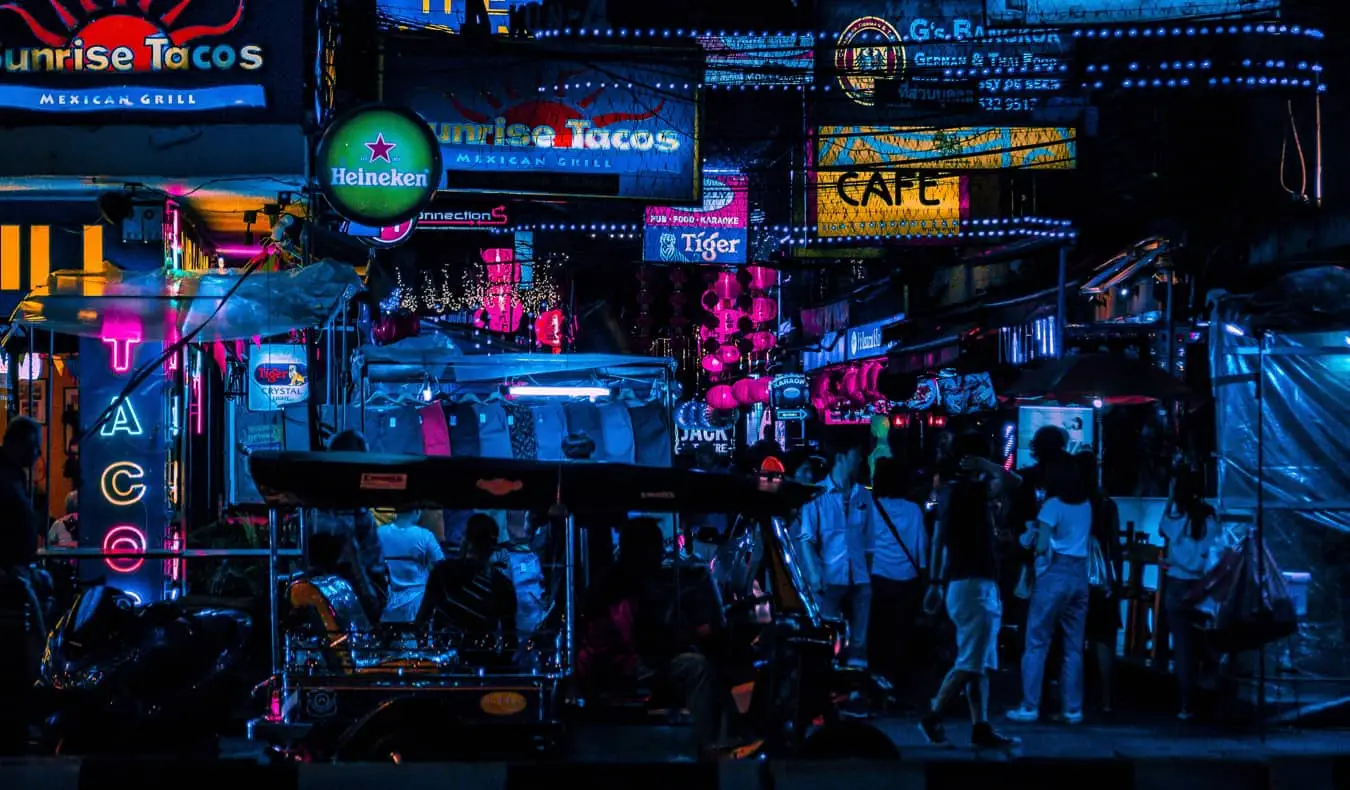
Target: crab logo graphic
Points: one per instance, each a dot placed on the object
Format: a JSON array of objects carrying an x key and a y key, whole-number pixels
[
  {"x": 553, "y": 123},
  {"x": 128, "y": 36}
]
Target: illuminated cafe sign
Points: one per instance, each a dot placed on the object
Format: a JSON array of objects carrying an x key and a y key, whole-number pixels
[
  {"x": 866, "y": 341},
  {"x": 131, "y": 45}
]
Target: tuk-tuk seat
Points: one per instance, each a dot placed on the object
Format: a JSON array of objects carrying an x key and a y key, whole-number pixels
[{"x": 334, "y": 608}]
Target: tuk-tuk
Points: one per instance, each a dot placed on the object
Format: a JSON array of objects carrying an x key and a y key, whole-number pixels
[{"x": 347, "y": 689}]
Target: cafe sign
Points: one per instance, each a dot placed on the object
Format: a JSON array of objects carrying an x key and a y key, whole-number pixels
[{"x": 379, "y": 165}]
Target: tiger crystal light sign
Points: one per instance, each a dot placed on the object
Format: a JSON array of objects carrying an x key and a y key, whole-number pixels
[
  {"x": 379, "y": 165},
  {"x": 148, "y": 56}
]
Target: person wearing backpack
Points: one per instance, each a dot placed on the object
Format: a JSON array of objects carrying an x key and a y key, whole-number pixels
[
  {"x": 899, "y": 562},
  {"x": 1059, "y": 598}
]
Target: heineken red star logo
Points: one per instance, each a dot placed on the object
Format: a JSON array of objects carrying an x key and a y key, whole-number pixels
[{"x": 379, "y": 150}]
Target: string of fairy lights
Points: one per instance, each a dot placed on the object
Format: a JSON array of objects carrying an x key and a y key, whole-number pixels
[{"x": 456, "y": 288}]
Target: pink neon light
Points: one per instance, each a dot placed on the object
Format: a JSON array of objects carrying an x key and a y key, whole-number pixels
[
  {"x": 195, "y": 410},
  {"x": 121, "y": 352},
  {"x": 124, "y": 539},
  {"x": 240, "y": 250}
]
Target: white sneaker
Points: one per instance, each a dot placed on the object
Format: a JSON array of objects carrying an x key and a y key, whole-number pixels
[
  {"x": 1024, "y": 714},
  {"x": 1072, "y": 718}
]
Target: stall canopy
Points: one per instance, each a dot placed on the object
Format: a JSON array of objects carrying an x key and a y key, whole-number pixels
[
  {"x": 1282, "y": 447},
  {"x": 439, "y": 358},
  {"x": 168, "y": 305},
  {"x": 1114, "y": 379},
  {"x": 341, "y": 481}
]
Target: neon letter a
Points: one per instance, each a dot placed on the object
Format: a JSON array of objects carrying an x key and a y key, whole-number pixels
[{"x": 124, "y": 420}]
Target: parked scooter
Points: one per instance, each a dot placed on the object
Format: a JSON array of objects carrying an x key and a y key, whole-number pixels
[{"x": 163, "y": 678}]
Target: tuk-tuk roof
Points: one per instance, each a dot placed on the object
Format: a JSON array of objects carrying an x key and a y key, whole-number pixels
[
  {"x": 343, "y": 480},
  {"x": 165, "y": 305}
]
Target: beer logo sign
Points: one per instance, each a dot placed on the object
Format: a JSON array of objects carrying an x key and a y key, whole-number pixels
[
  {"x": 379, "y": 165},
  {"x": 870, "y": 48}
]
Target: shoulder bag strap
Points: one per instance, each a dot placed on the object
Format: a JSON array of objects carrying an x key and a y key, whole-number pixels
[{"x": 895, "y": 532}]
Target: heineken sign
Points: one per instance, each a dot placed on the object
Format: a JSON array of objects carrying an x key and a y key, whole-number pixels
[{"x": 379, "y": 165}]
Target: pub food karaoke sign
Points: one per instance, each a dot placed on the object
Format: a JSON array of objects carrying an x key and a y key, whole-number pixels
[{"x": 147, "y": 56}]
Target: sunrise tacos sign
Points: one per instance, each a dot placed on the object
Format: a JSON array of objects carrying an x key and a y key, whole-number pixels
[
  {"x": 101, "y": 56},
  {"x": 379, "y": 165}
]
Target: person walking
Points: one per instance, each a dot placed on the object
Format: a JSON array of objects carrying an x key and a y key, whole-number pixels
[
  {"x": 1103, "y": 617},
  {"x": 1192, "y": 533},
  {"x": 899, "y": 560}
]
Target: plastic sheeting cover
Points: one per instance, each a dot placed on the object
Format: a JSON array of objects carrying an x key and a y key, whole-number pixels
[
  {"x": 166, "y": 306},
  {"x": 1303, "y": 442}
]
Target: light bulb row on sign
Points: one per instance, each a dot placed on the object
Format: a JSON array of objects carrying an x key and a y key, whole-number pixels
[
  {"x": 1215, "y": 82},
  {"x": 1050, "y": 223},
  {"x": 1147, "y": 31},
  {"x": 997, "y": 233},
  {"x": 1267, "y": 29},
  {"x": 1204, "y": 65}
]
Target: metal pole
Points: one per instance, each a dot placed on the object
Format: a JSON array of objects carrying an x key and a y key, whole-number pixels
[
  {"x": 570, "y": 593},
  {"x": 1261, "y": 519},
  {"x": 1171, "y": 326},
  {"x": 1061, "y": 300},
  {"x": 273, "y": 604}
]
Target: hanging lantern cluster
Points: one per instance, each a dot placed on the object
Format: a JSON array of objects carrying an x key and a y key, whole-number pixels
[{"x": 736, "y": 329}]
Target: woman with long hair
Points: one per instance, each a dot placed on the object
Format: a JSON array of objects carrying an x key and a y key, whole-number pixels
[
  {"x": 1103, "y": 617},
  {"x": 1192, "y": 533},
  {"x": 1059, "y": 599}
]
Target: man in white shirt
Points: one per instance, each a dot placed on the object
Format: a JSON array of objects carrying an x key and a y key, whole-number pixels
[{"x": 835, "y": 532}]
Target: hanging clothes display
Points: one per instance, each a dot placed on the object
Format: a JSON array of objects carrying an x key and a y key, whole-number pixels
[
  {"x": 435, "y": 430},
  {"x": 464, "y": 431},
  {"x": 396, "y": 430},
  {"x": 583, "y": 419},
  {"x": 550, "y": 428},
  {"x": 520, "y": 422},
  {"x": 616, "y": 433},
  {"x": 494, "y": 437},
  {"x": 651, "y": 434}
]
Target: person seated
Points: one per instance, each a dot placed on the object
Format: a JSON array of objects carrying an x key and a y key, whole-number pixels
[
  {"x": 629, "y": 640},
  {"x": 361, "y": 562},
  {"x": 470, "y": 593},
  {"x": 410, "y": 552}
]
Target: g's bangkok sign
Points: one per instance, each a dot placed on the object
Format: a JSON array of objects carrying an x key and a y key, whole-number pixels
[
  {"x": 136, "y": 56},
  {"x": 549, "y": 126}
]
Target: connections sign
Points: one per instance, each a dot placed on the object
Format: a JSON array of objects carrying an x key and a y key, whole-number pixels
[
  {"x": 714, "y": 232},
  {"x": 378, "y": 165},
  {"x": 149, "y": 56},
  {"x": 550, "y": 126},
  {"x": 963, "y": 148}
]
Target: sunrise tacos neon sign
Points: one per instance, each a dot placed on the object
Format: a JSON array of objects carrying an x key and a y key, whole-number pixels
[{"x": 123, "y": 36}]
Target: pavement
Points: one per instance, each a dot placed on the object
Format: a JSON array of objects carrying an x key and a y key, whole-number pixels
[{"x": 1140, "y": 755}]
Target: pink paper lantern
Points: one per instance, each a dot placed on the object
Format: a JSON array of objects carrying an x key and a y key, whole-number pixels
[
  {"x": 759, "y": 390},
  {"x": 727, "y": 286},
  {"x": 762, "y": 278},
  {"x": 729, "y": 354},
  {"x": 727, "y": 320},
  {"x": 762, "y": 341},
  {"x": 763, "y": 309},
  {"x": 743, "y": 391},
  {"x": 851, "y": 385},
  {"x": 712, "y": 364},
  {"x": 721, "y": 397}
]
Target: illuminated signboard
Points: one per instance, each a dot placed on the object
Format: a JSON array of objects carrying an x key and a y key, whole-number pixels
[
  {"x": 468, "y": 218},
  {"x": 715, "y": 232},
  {"x": 866, "y": 341},
  {"x": 889, "y": 201},
  {"x": 448, "y": 14},
  {"x": 378, "y": 165},
  {"x": 591, "y": 127},
  {"x": 125, "y": 465},
  {"x": 932, "y": 53},
  {"x": 278, "y": 376},
  {"x": 1083, "y": 12},
  {"x": 151, "y": 56},
  {"x": 964, "y": 148},
  {"x": 759, "y": 60}
]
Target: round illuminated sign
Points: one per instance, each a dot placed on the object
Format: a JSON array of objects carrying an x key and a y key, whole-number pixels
[
  {"x": 868, "y": 49},
  {"x": 379, "y": 165},
  {"x": 124, "y": 539},
  {"x": 394, "y": 235}
]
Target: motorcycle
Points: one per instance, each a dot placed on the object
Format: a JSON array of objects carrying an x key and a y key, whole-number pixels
[{"x": 169, "y": 677}]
